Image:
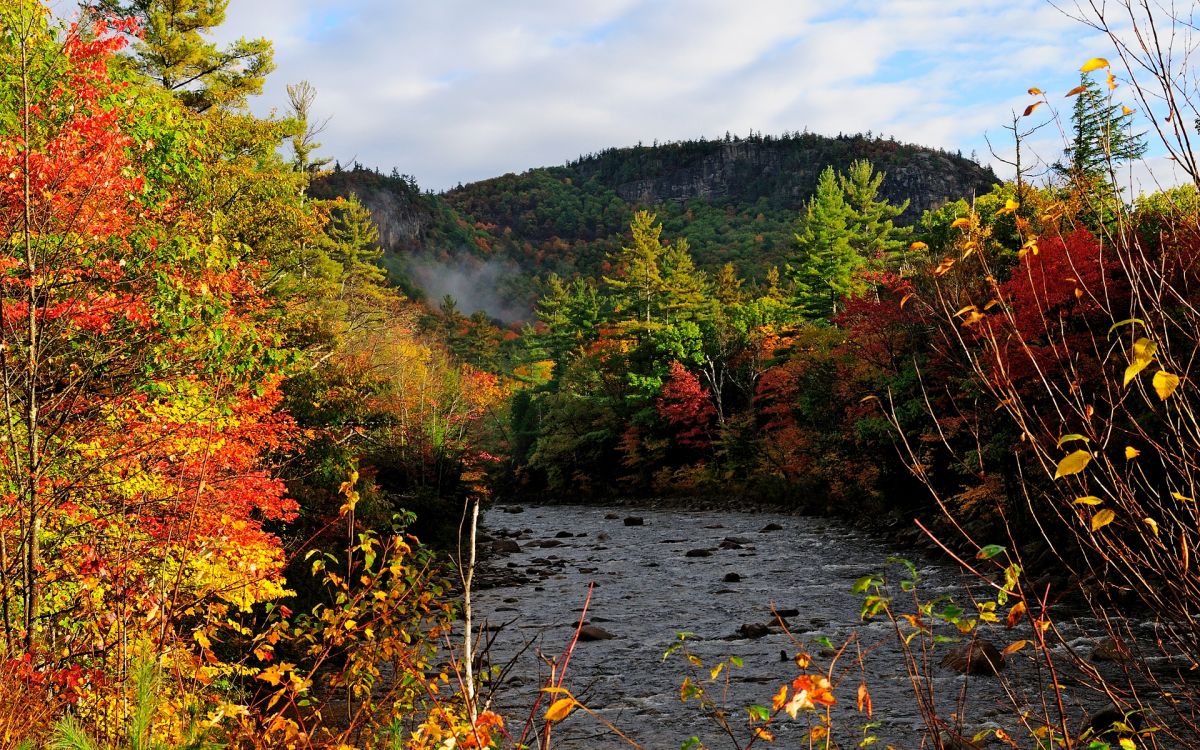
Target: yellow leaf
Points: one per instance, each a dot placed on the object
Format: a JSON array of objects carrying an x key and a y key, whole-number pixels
[
  {"x": 1010, "y": 206},
  {"x": 1183, "y": 498},
  {"x": 904, "y": 300},
  {"x": 1102, "y": 519},
  {"x": 1142, "y": 356},
  {"x": 1076, "y": 90},
  {"x": 918, "y": 246},
  {"x": 1126, "y": 110},
  {"x": 1165, "y": 384},
  {"x": 1131, "y": 452},
  {"x": 965, "y": 310},
  {"x": 202, "y": 638},
  {"x": 960, "y": 222},
  {"x": 1112, "y": 82},
  {"x": 1152, "y": 524},
  {"x": 1035, "y": 91},
  {"x": 780, "y": 699},
  {"x": 763, "y": 734},
  {"x": 1031, "y": 107},
  {"x": 1089, "y": 500},
  {"x": 1013, "y": 648},
  {"x": 1126, "y": 744},
  {"x": 1094, "y": 64},
  {"x": 559, "y": 709},
  {"x": 1073, "y": 464}
]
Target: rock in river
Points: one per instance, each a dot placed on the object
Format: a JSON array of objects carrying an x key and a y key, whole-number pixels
[
  {"x": 635, "y": 521},
  {"x": 976, "y": 657},
  {"x": 594, "y": 633}
]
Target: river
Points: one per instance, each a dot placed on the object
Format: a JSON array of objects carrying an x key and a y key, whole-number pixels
[{"x": 708, "y": 573}]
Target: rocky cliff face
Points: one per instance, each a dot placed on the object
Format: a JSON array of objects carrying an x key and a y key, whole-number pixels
[{"x": 785, "y": 171}]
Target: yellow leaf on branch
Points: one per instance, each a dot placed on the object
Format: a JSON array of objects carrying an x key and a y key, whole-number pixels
[
  {"x": 559, "y": 709},
  {"x": 1094, "y": 64},
  {"x": 1165, "y": 384},
  {"x": 1102, "y": 519},
  {"x": 1073, "y": 464}
]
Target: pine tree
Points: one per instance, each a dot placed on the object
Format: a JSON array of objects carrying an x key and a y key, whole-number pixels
[
  {"x": 1101, "y": 137},
  {"x": 174, "y": 53},
  {"x": 639, "y": 283},
  {"x": 873, "y": 232},
  {"x": 826, "y": 260}
]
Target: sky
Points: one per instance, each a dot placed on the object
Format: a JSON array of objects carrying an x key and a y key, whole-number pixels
[{"x": 452, "y": 91}]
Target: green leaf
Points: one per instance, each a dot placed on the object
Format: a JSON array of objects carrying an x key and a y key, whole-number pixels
[
  {"x": 862, "y": 584},
  {"x": 988, "y": 552},
  {"x": 1073, "y": 464},
  {"x": 758, "y": 713},
  {"x": 1072, "y": 436}
]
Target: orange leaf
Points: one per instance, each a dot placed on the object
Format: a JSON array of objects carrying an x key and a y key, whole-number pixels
[
  {"x": 1014, "y": 615},
  {"x": 864, "y": 699},
  {"x": 1031, "y": 107},
  {"x": 1013, "y": 648},
  {"x": 1076, "y": 90},
  {"x": 1035, "y": 91},
  {"x": 559, "y": 709},
  {"x": 780, "y": 699}
]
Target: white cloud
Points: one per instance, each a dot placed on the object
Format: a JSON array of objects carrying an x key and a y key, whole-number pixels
[{"x": 458, "y": 90}]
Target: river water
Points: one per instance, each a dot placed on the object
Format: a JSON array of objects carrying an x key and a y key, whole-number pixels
[{"x": 647, "y": 588}]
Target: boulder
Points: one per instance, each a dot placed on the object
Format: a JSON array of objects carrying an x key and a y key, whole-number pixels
[
  {"x": 731, "y": 578},
  {"x": 770, "y": 527},
  {"x": 611, "y": 516},
  {"x": 699, "y": 553},
  {"x": 594, "y": 633},
  {"x": 563, "y": 535},
  {"x": 635, "y": 521},
  {"x": 1110, "y": 723},
  {"x": 977, "y": 657},
  {"x": 752, "y": 630},
  {"x": 1110, "y": 649},
  {"x": 505, "y": 546}
]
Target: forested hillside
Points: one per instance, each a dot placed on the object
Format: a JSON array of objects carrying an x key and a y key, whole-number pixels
[{"x": 737, "y": 200}]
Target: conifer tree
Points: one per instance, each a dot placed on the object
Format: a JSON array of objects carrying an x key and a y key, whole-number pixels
[
  {"x": 873, "y": 232},
  {"x": 174, "y": 53},
  {"x": 1100, "y": 136},
  {"x": 826, "y": 261},
  {"x": 639, "y": 284}
]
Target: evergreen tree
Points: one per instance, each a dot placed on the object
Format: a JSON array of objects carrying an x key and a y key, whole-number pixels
[
  {"x": 639, "y": 283},
  {"x": 873, "y": 232},
  {"x": 174, "y": 53},
  {"x": 685, "y": 289},
  {"x": 1101, "y": 137},
  {"x": 827, "y": 260}
]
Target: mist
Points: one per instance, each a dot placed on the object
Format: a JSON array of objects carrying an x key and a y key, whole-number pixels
[{"x": 473, "y": 283}]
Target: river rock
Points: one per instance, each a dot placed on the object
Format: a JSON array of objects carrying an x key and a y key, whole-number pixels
[
  {"x": 699, "y": 553},
  {"x": 549, "y": 543},
  {"x": 737, "y": 540},
  {"x": 611, "y": 516},
  {"x": 594, "y": 633},
  {"x": 635, "y": 521},
  {"x": 976, "y": 657},
  {"x": 731, "y": 578},
  {"x": 505, "y": 546},
  {"x": 1110, "y": 723},
  {"x": 563, "y": 535},
  {"x": 1110, "y": 649},
  {"x": 770, "y": 527},
  {"x": 787, "y": 612},
  {"x": 753, "y": 630},
  {"x": 729, "y": 545}
]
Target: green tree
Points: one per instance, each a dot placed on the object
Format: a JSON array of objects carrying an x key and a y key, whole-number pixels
[
  {"x": 1101, "y": 137},
  {"x": 639, "y": 282},
  {"x": 826, "y": 261},
  {"x": 174, "y": 53},
  {"x": 871, "y": 219}
]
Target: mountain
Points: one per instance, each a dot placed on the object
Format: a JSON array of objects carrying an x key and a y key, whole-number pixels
[{"x": 489, "y": 243}]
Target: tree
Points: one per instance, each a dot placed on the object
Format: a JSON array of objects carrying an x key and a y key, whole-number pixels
[
  {"x": 1101, "y": 137},
  {"x": 639, "y": 282},
  {"x": 873, "y": 235},
  {"x": 173, "y": 52},
  {"x": 300, "y": 98},
  {"x": 826, "y": 261}
]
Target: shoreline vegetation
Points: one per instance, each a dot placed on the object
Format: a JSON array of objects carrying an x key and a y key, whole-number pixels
[{"x": 242, "y": 462}]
